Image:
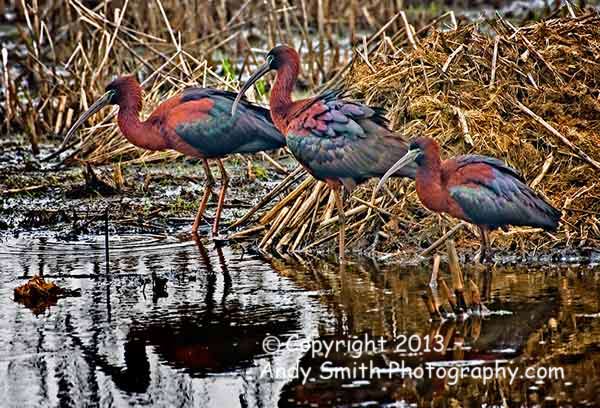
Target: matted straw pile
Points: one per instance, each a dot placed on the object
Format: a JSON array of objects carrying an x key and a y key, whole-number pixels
[{"x": 529, "y": 96}]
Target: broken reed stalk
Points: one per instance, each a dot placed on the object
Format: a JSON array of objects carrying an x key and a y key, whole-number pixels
[
  {"x": 428, "y": 299},
  {"x": 328, "y": 211},
  {"x": 437, "y": 301},
  {"x": 435, "y": 272},
  {"x": 285, "y": 183},
  {"x": 332, "y": 236},
  {"x": 454, "y": 265},
  {"x": 299, "y": 237},
  {"x": 409, "y": 30},
  {"x": 280, "y": 216},
  {"x": 278, "y": 226},
  {"x": 106, "y": 241},
  {"x": 307, "y": 205},
  {"x": 382, "y": 211},
  {"x": 475, "y": 326},
  {"x": 457, "y": 276},
  {"x": 577, "y": 150},
  {"x": 354, "y": 211},
  {"x": 443, "y": 239},
  {"x": 7, "y": 89},
  {"x": 449, "y": 295},
  {"x": 274, "y": 212},
  {"x": 486, "y": 285},
  {"x": 278, "y": 167},
  {"x": 458, "y": 351},
  {"x": 494, "y": 62},
  {"x": 475, "y": 297},
  {"x": 287, "y": 221},
  {"x": 247, "y": 232},
  {"x": 543, "y": 172}
]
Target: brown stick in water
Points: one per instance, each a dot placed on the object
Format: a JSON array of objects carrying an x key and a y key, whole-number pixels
[
  {"x": 449, "y": 295},
  {"x": 457, "y": 276},
  {"x": 434, "y": 313},
  {"x": 475, "y": 296}
]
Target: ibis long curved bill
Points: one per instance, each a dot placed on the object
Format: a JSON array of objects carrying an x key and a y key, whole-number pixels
[
  {"x": 260, "y": 72},
  {"x": 407, "y": 159},
  {"x": 96, "y": 106}
]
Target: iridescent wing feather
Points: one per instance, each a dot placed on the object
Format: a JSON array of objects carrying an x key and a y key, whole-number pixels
[
  {"x": 345, "y": 140},
  {"x": 496, "y": 195},
  {"x": 210, "y": 128}
]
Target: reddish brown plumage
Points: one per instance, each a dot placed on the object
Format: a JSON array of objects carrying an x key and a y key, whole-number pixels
[
  {"x": 478, "y": 189},
  {"x": 157, "y": 132},
  {"x": 283, "y": 109},
  {"x": 196, "y": 123},
  {"x": 142, "y": 134},
  {"x": 434, "y": 177},
  {"x": 183, "y": 113},
  {"x": 338, "y": 140}
]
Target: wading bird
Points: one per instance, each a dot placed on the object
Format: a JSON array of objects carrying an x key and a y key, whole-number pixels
[
  {"x": 337, "y": 140},
  {"x": 196, "y": 122},
  {"x": 478, "y": 189}
]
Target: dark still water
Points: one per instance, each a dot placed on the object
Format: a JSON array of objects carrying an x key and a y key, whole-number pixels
[{"x": 234, "y": 330}]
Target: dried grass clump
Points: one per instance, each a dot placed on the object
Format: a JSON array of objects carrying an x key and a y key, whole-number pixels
[{"x": 529, "y": 96}]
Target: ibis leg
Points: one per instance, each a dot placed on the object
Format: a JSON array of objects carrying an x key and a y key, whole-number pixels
[
  {"x": 485, "y": 244},
  {"x": 210, "y": 182},
  {"x": 486, "y": 289},
  {"x": 342, "y": 220},
  {"x": 224, "y": 185}
]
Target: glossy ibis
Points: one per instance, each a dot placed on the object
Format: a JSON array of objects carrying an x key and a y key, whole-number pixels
[
  {"x": 478, "y": 189},
  {"x": 197, "y": 123},
  {"x": 337, "y": 140}
]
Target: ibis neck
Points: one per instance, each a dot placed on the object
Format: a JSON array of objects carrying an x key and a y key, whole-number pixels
[
  {"x": 281, "y": 95},
  {"x": 429, "y": 182},
  {"x": 141, "y": 134}
]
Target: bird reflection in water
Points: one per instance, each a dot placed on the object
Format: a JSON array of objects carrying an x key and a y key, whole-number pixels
[
  {"x": 382, "y": 302},
  {"x": 217, "y": 335}
]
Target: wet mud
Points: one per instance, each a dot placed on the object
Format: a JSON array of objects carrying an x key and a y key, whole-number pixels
[{"x": 144, "y": 198}]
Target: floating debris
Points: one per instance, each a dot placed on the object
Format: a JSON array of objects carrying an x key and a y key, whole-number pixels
[{"x": 38, "y": 294}]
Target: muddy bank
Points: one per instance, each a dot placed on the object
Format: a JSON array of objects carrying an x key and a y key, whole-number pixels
[
  {"x": 162, "y": 198},
  {"x": 140, "y": 198}
]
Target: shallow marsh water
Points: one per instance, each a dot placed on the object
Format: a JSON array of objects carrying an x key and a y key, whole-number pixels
[{"x": 200, "y": 342}]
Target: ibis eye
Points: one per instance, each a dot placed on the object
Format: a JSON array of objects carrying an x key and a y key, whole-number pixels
[
  {"x": 420, "y": 159},
  {"x": 269, "y": 59},
  {"x": 113, "y": 94}
]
